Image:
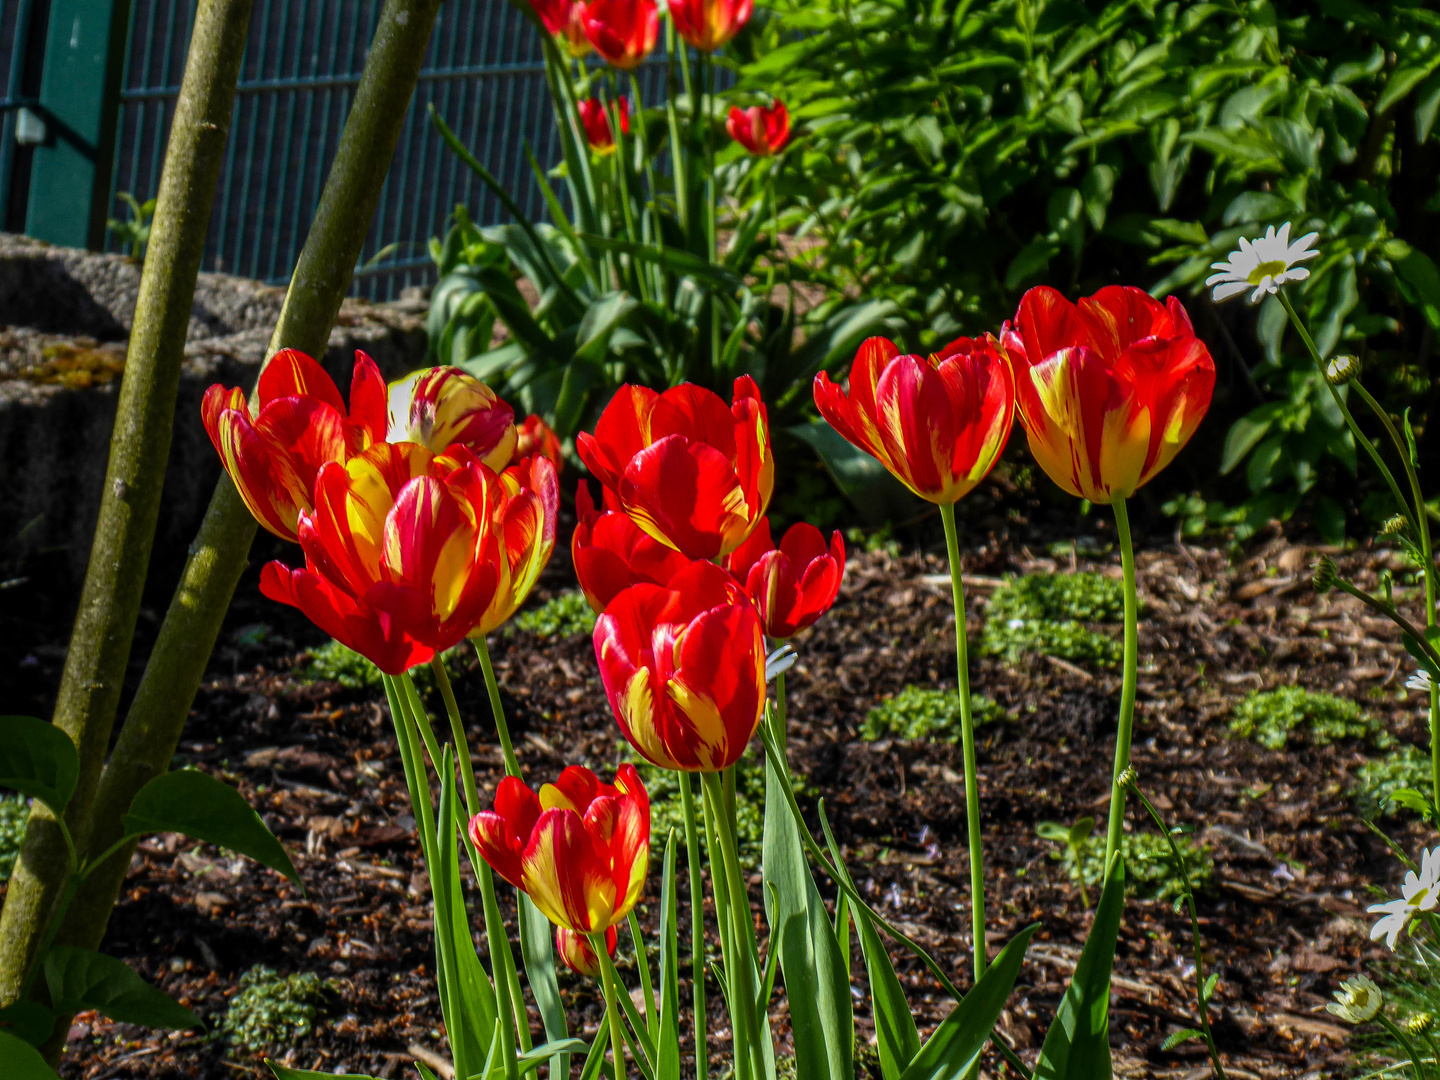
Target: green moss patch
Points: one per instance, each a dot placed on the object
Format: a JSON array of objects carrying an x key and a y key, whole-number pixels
[{"x": 1270, "y": 717}]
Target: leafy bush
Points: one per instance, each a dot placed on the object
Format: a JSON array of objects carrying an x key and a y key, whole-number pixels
[
  {"x": 956, "y": 154},
  {"x": 1148, "y": 868},
  {"x": 1405, "y": 766},
  {"x": 333, "y": 662},
  {"x": 14, "y": 813},
  {"x": 918, "y": 712},
  {"x": 1269, "y": 717},
  {"x": 271, "y": 1010},
  {"x": 567, "y": 614},
  {"x": 1044, "y": 613}
]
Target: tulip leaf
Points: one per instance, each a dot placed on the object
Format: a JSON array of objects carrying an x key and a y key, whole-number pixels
[
  {"x": 895, "y": 1035},
  {"x": 877, "y": 495},
  {"x": 667, "y": 1049},
  {"x": 191, "y": 802},
  {"x": 38, "y": 759},
  {"x": 538, "y": 950},
  {"x": 23, "y": 1061},
  {"x": 956, "y": 1044},
  {"x": 29, "y": 1020},
  {"x": 1077, "y": 1047},
  {"x": 80, "y": 979}
]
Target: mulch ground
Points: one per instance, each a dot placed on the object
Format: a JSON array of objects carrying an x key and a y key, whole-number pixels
[{"x": 1283, "y": 919}]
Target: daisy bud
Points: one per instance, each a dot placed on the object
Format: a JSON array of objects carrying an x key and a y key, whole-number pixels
[
  {"x": 1325, "y": 574},
  {"x": 1342, "y": 369},
  {"x": 1129, "y": 778},
  {"x": 1419, "y": 1023},
  {"x": 1357, "y": 1000},
  {"x": 1394, "y": 526}
]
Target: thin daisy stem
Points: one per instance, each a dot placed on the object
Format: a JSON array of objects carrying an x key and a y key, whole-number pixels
[{"x": 1404, "y": 1041}]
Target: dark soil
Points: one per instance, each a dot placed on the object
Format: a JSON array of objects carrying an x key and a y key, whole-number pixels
[{"x": 1283, "y": 919}]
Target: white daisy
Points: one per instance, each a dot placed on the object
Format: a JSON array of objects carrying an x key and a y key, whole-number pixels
[
  {"x": 1357, "y": 1000},
  {"x": 1263, "y": 264},
  {"x": 1419, "y": 681},
  {"x": 779, "y": 662},
  {"x": 1419, "y": 893}
]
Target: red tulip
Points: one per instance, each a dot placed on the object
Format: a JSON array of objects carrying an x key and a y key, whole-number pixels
[
  {"x": 937, "y": 424},
  {"x": 684, "y": 668},
  {"x": 577, "y": 952},
  {"x": 611, "y": 553},
  {"x": 564, "y": 20},
  {"x": 693, "y": 473},
  {"x": 622, "y": 31},
  {"x": 579, "y": 849},
  {"x": 793, "y": 585},
  {"x": 441, "y": 407},
  {"x": 523, "y": 521},
  {"x": 596, "y": 123},
  {"x": 302, "y": 423},
  {"x": 709, "y": 24},
  {"x": 1109, "y": 390},
  {"x": 760, "y": 130},
  {"x": 400, "y": 552},
  {"x": 537, "y": 437}
]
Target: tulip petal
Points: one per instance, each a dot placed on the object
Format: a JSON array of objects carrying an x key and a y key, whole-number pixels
[{"x": 686, "y": 494}]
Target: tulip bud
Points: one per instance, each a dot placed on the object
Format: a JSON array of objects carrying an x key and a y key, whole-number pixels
[
  {"x": 1395, "y": 526},
  {"x": 1128, "y": 778},
  {"x": 1342, "y": 369},
  {"x": 1325, "y": 574},
  {"x": 1419, "y": 1023},
  {"x": 578, "y": 953}
]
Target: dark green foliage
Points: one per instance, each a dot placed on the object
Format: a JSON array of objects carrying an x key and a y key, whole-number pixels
[
  {"x": 1148, "y": 867},
  {"x": 567, "y": 614},
  {"x": 666, "y": 813},
  {"x": 1405, "y": 766},
  {"x": 917, "y": 712},
  {"x": 1047, "y": 613},
  {"x": 271, "y": 1010},
  {"x": 1269, "y": 717}
]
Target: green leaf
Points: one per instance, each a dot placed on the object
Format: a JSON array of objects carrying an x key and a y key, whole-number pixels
[
  {"x": 1426, "y": 106},
  {"x": 1418, "y": 271},
  {"x": 81, "y": 979},
  {"x": 190, "y": 802},
  {"x": 1178, "y": 1037},
  {"x": 865, "y": 482},
  {"x": 1052, "y": 830},
  {"x": 1081, "y": 830},
  {"x": 955, "y": 1046},
  {"x": 38, "y": 759},
  {"x": 1419, "y": 656},
  {"x": 1077, "y": 1046},
  {"x": 284, "y": 1072},
  {"x": 1209, "y": 988},
  {"x": 469, "y": 1009},
  {"x": 538, "y": 951},
  {"x": 23, "y": 1061},
  {"x": 895, "y": 1035},
  {"x": 29, "y": 1020},
  {"x": 1413, "y": 800},
  {"x": 1402, "y": 80},
  {"x": 667, "y": 1048}
]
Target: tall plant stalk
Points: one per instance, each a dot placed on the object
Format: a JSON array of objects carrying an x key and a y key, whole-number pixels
[
  {"x": 1125, "y": 728},
  {"x": 104, "y": 630}
]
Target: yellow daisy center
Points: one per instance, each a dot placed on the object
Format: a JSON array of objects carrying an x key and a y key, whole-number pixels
[{"x": 1272, "y": 269}]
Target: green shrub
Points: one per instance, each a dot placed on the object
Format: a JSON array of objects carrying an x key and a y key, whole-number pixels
[
  {"x": 1403, "y": 767},
  {"x": 14, "y": 813},
  {"x": 333, "y": 662},
  {"x": 1149, "y": 871},
  {"x": 1046, "y": 613},
  {"x": 567, "y": 614},
  {"x": 1270, "y": 716},
  {"x": 666, "y": 811},
  {"x": 917, "y": 712},
  {"x": 271, "y": 1010}
]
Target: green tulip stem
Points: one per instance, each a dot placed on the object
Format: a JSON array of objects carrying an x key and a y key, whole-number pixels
[
  {"x": 1127, "y": 684},
  {"x": 777, "y": 718},
  {"x": 502, "y": 729},
  {"x": 642, "y": 135},
  {"x": 612, "y": 1008},
  {"x": 712, "y": 247},
  {"x": 457, "y": 733},
  {"x": 697, "y": 923},
  {"x": 967, "y": 734}
]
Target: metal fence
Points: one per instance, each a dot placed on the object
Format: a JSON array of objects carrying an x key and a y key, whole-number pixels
[{"x": 484, "y": 73}]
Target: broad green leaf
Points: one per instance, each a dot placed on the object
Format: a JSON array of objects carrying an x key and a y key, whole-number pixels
[
  {"x": 876, "y": 494},
  {"x": 23, "y": 1061},
  {"x": 469, "y": 1011},
  {"x": 29, "y": 1020},
  {"x": 956, "y": 1044},
  {"x": 190, "y": 802},
  {"x": 538, "y": 950},
  {"x": 1246, "y": 432},
  {"x": 81, "y": 979},
  {"x": 895, "y": 1035},
  {"x": 1418, "y": 271},
  {"x": 284, "y": 1072},
  {"x": 38, "y": 759},
  {"x": 1077, "y": 1046},
  {"x": 1426, "y": 106},
  {"x": 1413, "y": 800},
  {"x": 1404, "y": 79},
  {"x": 667, "y": 1048}
]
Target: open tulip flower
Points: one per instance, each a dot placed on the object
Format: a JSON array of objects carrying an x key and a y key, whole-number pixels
[
  {"x": 579, "y": 848},
  {"x": 709, "y": 24},
  {"x": 684, "y": 668},
  {"x": 577, "y": 952},
  {"x": 399, "y": 559},
  {"x": 622, "y": 31},
  {"x": 693, "y": 473},
  {"x": 537, "y": 437},
  {"x": 937, "y": 423},
  {"x": 764, "y": 132},
  {"x": 524, "y": 526},
  {"x": 793, "y": 585},
  {"x": 611, "y": 553},
  {"x": 274, "y": 455},
  {"x": 596, "y": 122},
  {"x": 1109, "y": 389},
  {"x": 441, "y": 407}
]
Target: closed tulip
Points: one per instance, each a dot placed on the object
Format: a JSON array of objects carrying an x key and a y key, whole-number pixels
[
  {"x": 579, "y": 848},
  {"x": 793, "y": 585},
  {"x": 937, "y": 423},
  {"x": 563, "y": 20},
  {"x": 683, "y": 667},
  {"x": 764, "y": 132},
  {"x": 537, "y": 437},
  {"x": 523, "y": 521},
  {"x": 611, "y": 553},
  {"x": 302, "y": 423},
  {"x": 441, "y": 407},
  {"x": 693, "y": 473},
  {"x": 400, "y": 552},
  {"x": 596, "y": 122},
  {"x": 577, "y": 952},
  {"x": 622, "y": 31},
  {"x": 709, "y": 24},
  {"x": 1109, "y": 389}
]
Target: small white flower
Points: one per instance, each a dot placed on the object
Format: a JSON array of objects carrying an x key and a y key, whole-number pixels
[
  {"x": 1419, "y": 893},
  {"x": 1263, "y": 264},
  {"x": 1419, "y": 681},
  {"x": 1016, "y": 624},
  {"x": 1357, "y": 1000},
  {"x": 779, "y": 662}
]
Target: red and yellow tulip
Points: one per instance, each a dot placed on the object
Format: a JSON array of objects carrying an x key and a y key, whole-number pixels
[
  {"x": 764, "y": 132},
  {"x": 622, "y": 31},
  {"x": 302, "y": 423},
  {"x": 793, "y": 585},
  {"x": 693, "y": 473},
  {"x": 684, "y": 668},
  {"x": 937, "y": 423},
  {"x": 709, "y": 24},
  {"x": 579, "y": 848},
  {"x": 537, "y": 437},
  {"x": 524, "y": 526},
  {"x": 1109, "y": 389},
  {"x": 563, "y": 20},
  {"x": 611, "y": 553},
  {"x": 596, "y": 122},
  {"x": 441, "y": 407},
  {"x": 577, "y": 952}
]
